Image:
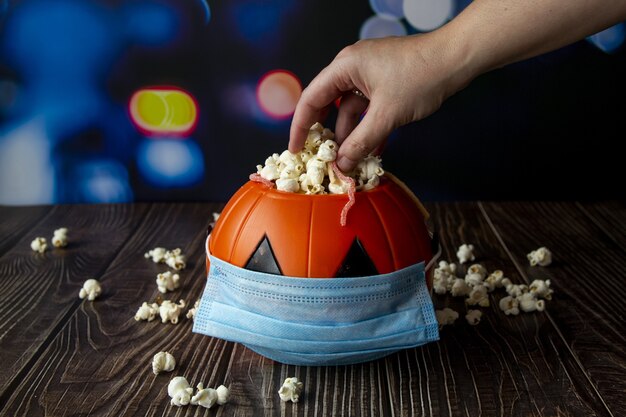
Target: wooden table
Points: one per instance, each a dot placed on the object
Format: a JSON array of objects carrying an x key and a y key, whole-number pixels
[{"x": 62, "y": 356}]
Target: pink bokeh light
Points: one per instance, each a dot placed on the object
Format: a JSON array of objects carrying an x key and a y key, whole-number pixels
[{"x": 278, "y": 92}]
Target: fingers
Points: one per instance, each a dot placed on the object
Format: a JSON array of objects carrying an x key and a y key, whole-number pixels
[
  {"x": 350, "y": 110},
  {"x": 314, "y": 102},
  {"x": 365, "y": 138}
]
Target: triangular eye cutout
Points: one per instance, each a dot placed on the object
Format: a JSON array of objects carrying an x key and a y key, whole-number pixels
[
  {"x": 357, "y": 263},
  {"x": 263, "y": 259}
]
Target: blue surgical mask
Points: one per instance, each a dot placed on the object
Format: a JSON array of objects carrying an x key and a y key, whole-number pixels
[{"x": 313, "y": 321}]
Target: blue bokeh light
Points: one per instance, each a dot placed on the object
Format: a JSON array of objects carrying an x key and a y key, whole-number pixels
[
  {"x": 150, "y": 23},
  {"x": 207, "y": 11},
  {"x": 103, "y": 181},
  {"x": 257, "y": 20},
  {"x": 170, "y": 163},
  {"x": 388, "y": 8},
  {"x": 609, "y": 40},
  {"x": 380, "y": 26}
]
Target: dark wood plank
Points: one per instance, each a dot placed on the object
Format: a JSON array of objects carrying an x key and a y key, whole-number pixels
[
  {"x": 504, "y": 366},
  {"x": 587, "y": 275},
  {"x": 38, "y": 292},
  {"x": 99, "y": 362},
  {"x": 15, "y": 222},
  {"x": 610, "y": 217}
]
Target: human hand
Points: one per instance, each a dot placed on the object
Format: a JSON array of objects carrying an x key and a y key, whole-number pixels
[{"x": 405, "y": 79}]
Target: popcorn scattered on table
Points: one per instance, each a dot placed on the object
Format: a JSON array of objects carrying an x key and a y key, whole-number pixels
[
  {"x": 205, "y": 397},
  {"x": 444, "y": 277},
  {"x": 59, "y": 240},
  {"x": 40, "y": 244},
  {"x": 528, "y": 303},
  {"x": 541, "y": 289},
  {"x": 465, "y": 253},
  {"x": 473, "y": 317},
  {"x": 169, "y": 311},
  {"x": 446, "y": 316},
  {"x": 167, "y": 281},
  {"x": 509, "y": 305},
  {"x": 191, "y": 313},
  {"x": 541, "y": 257},
  {"x": 460, "y": 288},
  {"x": 179, "y": 391},
  {"x": 147, "y": 312},
  {"x": 476, "y": 286},
  {"x": 310, "y": 171},
  {"x": 216, "y": 216},
  {"x": 157, "y": 255},
  {"x": 223, "y": 395},
  {"x": 163, "y": 362},
  {"x": 174, "y": 258},
  {"x": 478, "y": 296},
  {"x": 291, "y": 390},
  {"x": 494, "y": 280},
  {"x": 91, "y": 290}
]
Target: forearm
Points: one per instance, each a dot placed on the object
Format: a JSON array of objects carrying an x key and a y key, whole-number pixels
[{"x": 492, "y": 33}]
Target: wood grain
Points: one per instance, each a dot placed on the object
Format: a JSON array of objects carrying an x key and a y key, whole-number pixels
[
  {"x": 15, "y": 223},
  {"x": 610, "y": 217},
  {"x": 96, "y": 361},
  {"x": 39, "y": 292},
  {"x": 587, "y": 273},
  {"x": 99, "y": 362}
]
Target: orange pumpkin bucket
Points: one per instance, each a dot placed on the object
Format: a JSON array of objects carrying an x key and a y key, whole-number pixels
[{"x": 298, "y": 235}]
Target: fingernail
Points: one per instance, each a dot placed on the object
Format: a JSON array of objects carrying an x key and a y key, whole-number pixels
[{"x": 345, "y": 164}]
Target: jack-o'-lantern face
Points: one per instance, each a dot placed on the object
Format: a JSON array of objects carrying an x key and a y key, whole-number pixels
[{"x": 271, "y": 231}]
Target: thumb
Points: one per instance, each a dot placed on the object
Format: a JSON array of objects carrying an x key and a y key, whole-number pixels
[{"x": 368, "y": 135}]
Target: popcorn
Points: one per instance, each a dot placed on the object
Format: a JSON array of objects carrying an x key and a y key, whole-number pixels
[
  {"x": 147, "y": 312},
  {"x": 310, "y": 168},
  {"x": 477, "y": 269},
  {"x": 175, "y": 259},
  {"x": 494, "y": 280},
  {"x": 59, "y": 239},
  {"x": 205, "y": 397},
  {"x": 179, "y": 390},
  {"x": 290, "y": 390},
  {"x": 39, "y": 244},
  {"x": 191, "y": 313},
  {"x": 473, "y": 279},
  {"x": 473, "y": 317},
  {"x": 327, "y": 151},
  {"x": 170, "y": 311},
  {"x": 216, "y": 216},
  {"x": 465, "y": 253},
  {"x": 515, "y": 290},
  {"x": 541, "y": 257},
  {"x": 167, "y": 281},
  {"x": 509, "y": 305},
  {"x": 444, "y": 277},
  {"x": 223, "y": 395},
  {"x": 478, "y": 296},
  {"x": 528, "y": 303},
  {"x": 446, "y": 316},
  {"x": 163, "y": 361},
  {"x": 460, "y": 288},
  {"x": 541, "y": 289},
  {"x": 157, "y": 255},
  {"x": 91, "y": 290},
  {"x": 288, "y": 184}
]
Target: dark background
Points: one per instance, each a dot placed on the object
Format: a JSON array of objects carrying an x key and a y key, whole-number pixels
[{"x": 545, "y": 128}]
